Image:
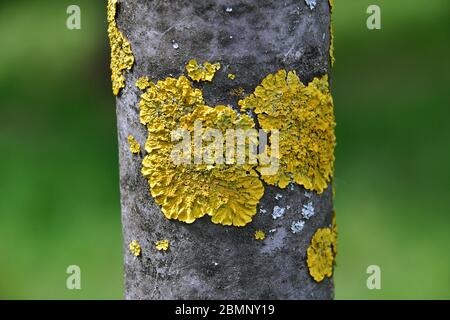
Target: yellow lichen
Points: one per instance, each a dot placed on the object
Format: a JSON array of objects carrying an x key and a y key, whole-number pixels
[
  {"x": 320, "y": 257},
  {"x": 203, "y": 72},
  {"x": 260, "y": 235},
  {"x": 121, "y": 55},
  {"x": 134, "y": 145},
  {"x": 237, "y": 92},
  {"x": 143, "y": 83},
  {"x": 162, "y": 245},
  {"x": 229, "y": 193},
  {"x": 332, "y": 59},
  {"x": 231, "y": 76},
  {"x": 304, "y": 117},
  {"x": 135, "y": 248}
]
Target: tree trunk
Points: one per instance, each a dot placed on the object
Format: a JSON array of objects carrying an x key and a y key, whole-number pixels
[{"x": 250, "y": 38}]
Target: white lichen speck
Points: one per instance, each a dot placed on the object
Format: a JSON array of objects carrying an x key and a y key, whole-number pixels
[
  {"x": 229, "y": 9},
  {"x": 311, "y": 3},
  {"x": 278, "y": 212},
  {"x": 297, "y": 226},
  {"x": 308, "y": 210},
  {"x": 278, "y": 196}
]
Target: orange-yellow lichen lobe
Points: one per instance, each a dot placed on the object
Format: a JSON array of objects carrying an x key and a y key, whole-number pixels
[
  {"x": 162, "y": 245},
  {"x": 231, "y": 76},
  {"x": 320, "y": 256},
  {"x": 332, "y": 58},
  {"x": 260, "y": 235},
  {"x": 228, "y": 193},
  {"x": 203, "y": 72},
  {"x": 304, "y": 117},
  {"x": 135, "y": 147},
  {"x": 121, "y": 54},
  {"x": 135, "y": 248},
  {"x": 143, "y": 83}
]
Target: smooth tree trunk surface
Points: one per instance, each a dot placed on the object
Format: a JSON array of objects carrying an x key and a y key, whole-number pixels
[{"x": 208, "y": 261}]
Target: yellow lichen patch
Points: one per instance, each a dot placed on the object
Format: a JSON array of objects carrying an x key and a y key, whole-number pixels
[
  {"x": 143, "y": 83},
  {"x": 332, "y": 59},
  {"x": 135, "y": 248},
  {"x": 320, "y": 256},
  {"x": 121, "y": 55},
  {"x": 303, "y": 115},
  {"x": 162, "y": 245},
  {"x": 260, "y": 235},
  {"x": 134, "y": 145},
  {"x": 229, "y": 193},
  {"x": 203, "y": 72},
  {"x": 231, "y": 76}
]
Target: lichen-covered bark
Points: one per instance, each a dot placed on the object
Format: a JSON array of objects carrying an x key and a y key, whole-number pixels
[{"x": 205, "y": 260}]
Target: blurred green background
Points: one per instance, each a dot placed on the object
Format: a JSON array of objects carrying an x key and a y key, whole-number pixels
[{"x": 59, "y": 193}]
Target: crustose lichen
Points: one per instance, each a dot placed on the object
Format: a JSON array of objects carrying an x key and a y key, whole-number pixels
[
  {"x": 304, "y": 117},
  {"x": 121, "y": 55},
  {"x": 203, "y": 72},
  {"x": 230, "y": 193}
]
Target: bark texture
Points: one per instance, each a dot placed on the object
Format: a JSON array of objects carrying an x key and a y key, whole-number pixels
[{"x": 208, "y": 261}]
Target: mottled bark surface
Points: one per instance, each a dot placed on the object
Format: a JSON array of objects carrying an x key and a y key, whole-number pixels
[{"x": 208, "y": 261}]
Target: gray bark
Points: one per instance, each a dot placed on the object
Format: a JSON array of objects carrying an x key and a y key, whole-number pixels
[{"x": 208, "y": 261}]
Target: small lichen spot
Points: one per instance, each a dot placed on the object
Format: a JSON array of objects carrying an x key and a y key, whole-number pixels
[
  {"x": 135, "y": 148},
  {"x": 135, "y": 248},
  {"x": 231, "y": 76},
  {"x": 308, "y": 210},
  {"x": 278, "y": 212},
  {"x": 311, "y": 3},
  {"x": 320, "y": 257},
  {"x": 143, "y": 83},
  {"x": 297, "y": 226},
  {"x": 203, "y": 72},
  {"x": 162, "y": 245},
  {"x": 260, "y": 235}
]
